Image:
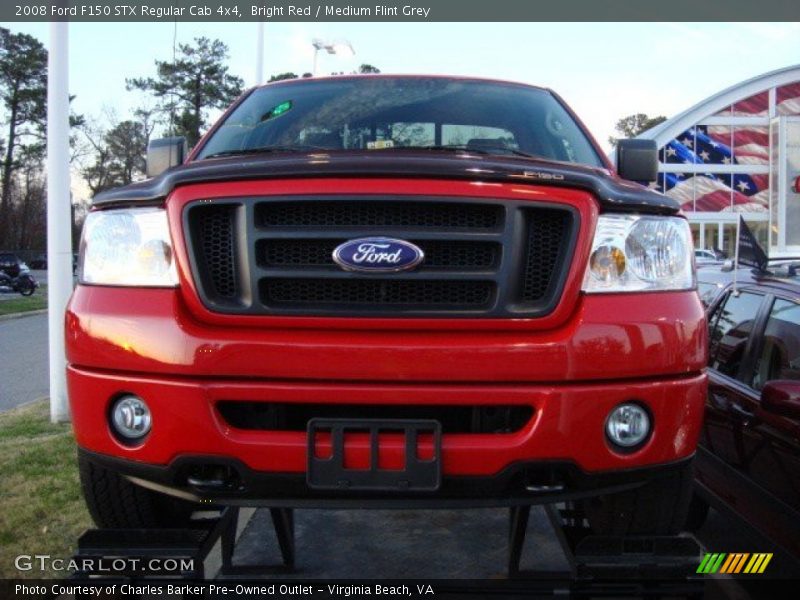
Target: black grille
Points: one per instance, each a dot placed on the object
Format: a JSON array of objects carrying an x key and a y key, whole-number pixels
[
  {"x": 483, "y": 257},
  {"x": 378, "y": 215},
  {"x": 319, "y": 253},
  {"x": 212, "y": 233},
  {"x": 290, "y": 416},
  {"x": 547, "y": 231},
  {"x": 376, "y": 293}
]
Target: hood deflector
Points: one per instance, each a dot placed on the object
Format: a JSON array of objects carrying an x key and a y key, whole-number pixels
[{"x": 613, "y": 194}]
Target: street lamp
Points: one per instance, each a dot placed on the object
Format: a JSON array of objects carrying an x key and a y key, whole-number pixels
[{"x": 342, "y": 47}]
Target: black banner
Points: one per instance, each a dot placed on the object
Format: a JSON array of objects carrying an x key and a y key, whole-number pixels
[
  {"x": 749, "y": 253},
  {"x": 407, "y": 10}
]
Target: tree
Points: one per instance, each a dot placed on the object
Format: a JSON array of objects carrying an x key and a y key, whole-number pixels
[
  {"x": 633, "y": 125},
  {"x": 119, "y": 155},
  {"x": 282, "y": 76},
  {"x": 366, "y": 69},
  {"x": 196, "y": 81},
  {"x": 23, "y": 92}
]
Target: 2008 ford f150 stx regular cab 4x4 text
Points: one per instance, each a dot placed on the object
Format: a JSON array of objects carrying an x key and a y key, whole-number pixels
[{"x": 388, "y": 290}]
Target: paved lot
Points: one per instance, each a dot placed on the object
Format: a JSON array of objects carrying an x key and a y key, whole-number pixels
[
  {"x": 425, "y": 544},
  {"x": 450, "y": 544},
  {"x": 23, "y": 355},
  {"x": 23, "y": 352}
]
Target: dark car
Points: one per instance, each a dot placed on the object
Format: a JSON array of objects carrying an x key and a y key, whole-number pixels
[
  {"x": 40, "y": 262},
  {"x": 10, "y": 264},
  {"x": 748, "y": 459}
]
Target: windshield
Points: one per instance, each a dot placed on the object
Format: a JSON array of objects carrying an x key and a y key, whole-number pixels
[{"x": 386, "y": 113}]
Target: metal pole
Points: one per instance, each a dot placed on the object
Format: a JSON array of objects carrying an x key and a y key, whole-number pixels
[
  {"x": 260, "y": 54},
  {"x": 59, "y": 231},
  {"x": 736, "y": 257}
]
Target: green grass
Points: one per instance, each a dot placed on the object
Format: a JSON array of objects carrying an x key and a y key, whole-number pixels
[
  {"x": 18, "y": 304},
  {"x": 41, "y": 506}
]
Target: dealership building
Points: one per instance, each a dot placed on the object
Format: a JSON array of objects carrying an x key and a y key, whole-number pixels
[{"x": 738, "y": 153}]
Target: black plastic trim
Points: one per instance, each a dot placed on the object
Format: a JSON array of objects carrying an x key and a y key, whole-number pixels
[
  {"x": 331, "y": 473},
  {"x": 505, "y": 300},
  {"x": 506, "y": 488},
  {"x": 614, "y": 194}
]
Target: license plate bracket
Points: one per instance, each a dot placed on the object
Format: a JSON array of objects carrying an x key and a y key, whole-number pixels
[{"x": 418, "y": 474}]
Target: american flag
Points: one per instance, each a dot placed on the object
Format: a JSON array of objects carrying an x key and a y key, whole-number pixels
[{"x": 726, "y": 145}]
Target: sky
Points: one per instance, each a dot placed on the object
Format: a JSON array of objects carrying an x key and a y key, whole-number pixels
[{"x": 603, "y": 70}]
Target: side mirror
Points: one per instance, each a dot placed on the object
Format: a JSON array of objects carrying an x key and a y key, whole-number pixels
[
  {"x": 727, "y": 265},
  {"x": 165, "y": 153},
  {"x": 637, "y": 160},
  {"x": 782, "y": 397}
]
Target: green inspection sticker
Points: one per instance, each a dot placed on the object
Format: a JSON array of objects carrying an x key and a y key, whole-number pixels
[{"x": 277, "y": 110}]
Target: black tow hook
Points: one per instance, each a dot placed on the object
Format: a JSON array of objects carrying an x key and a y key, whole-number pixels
[{"x": 214, "y": 478}]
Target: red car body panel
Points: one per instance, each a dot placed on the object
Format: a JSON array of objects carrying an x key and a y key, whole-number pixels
[
  {"x": 152, "y": 331},
  {"x": 568, "y": 422},
  {"x": 572, "y": 366}
]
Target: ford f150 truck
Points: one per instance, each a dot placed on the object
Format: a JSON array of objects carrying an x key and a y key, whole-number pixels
[{"x": 388, "y": 291}]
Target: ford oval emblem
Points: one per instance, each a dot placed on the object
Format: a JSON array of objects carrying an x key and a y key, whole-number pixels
[{"x": 377, "y": 255}]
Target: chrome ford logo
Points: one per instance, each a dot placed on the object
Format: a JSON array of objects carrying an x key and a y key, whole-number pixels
[{"x": 378, "y": 255}]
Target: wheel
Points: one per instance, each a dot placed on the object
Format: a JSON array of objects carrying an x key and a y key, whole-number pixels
[
  {"x": 26, "y": 287},
  {"x": 115, "y": 502},
  {"x": 658, "y": 507},
  {"x": 697, "y": 513}
]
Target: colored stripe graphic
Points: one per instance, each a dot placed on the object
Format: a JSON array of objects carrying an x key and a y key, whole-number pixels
[
  {"x": 765, "y": 563},
  {"x": 703, "y": 563},
  {"x": 758, "y": 563},
  {"x": 711, "y": 563},
  {"x": 734, "y": 563},
  {"x": 741, "y": 562},
  {"x": 732, "y": 558}
]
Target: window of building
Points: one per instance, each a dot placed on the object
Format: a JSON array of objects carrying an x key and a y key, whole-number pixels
[
  {"x": 787, "y": 99},
  {"x": 755, "y": 105}
]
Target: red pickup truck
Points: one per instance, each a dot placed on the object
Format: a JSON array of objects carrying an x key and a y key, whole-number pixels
[{"x": 388, "y": 291}]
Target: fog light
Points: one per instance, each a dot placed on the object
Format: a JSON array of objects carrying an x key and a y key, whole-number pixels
[
  {"x": 628, "y": 425},
  {"x": 131, "y": 417}
]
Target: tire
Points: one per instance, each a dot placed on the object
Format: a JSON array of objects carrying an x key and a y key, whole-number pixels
[
  {"x": 658, "y": 507},
  {"x": 26, "y": 287},
  {"x": 114, "y": 502}
]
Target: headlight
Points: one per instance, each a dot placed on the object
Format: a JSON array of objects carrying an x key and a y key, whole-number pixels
[
  {"x": 129, "y": 247},
  {"x": 634, "y": 253}
]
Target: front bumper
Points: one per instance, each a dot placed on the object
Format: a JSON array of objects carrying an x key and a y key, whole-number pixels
[{"x": 567, "y": 424}]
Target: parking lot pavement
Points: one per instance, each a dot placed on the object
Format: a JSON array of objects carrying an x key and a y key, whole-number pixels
[
  {"x": 458, "y": 544},
  {"x": 386, "y": 544},
  {"x": 24, "y": 360}
]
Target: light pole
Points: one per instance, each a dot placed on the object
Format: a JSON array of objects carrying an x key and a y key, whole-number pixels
[
  {"x": 59, "y": 229},
  {"x": 260, "y": 54},
  {"x": 341, "y": 47}
]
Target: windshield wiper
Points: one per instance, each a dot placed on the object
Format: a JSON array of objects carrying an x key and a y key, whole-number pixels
[
  {"x": 264, "y": 150},
  {"x": 499, "y": 149}
]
